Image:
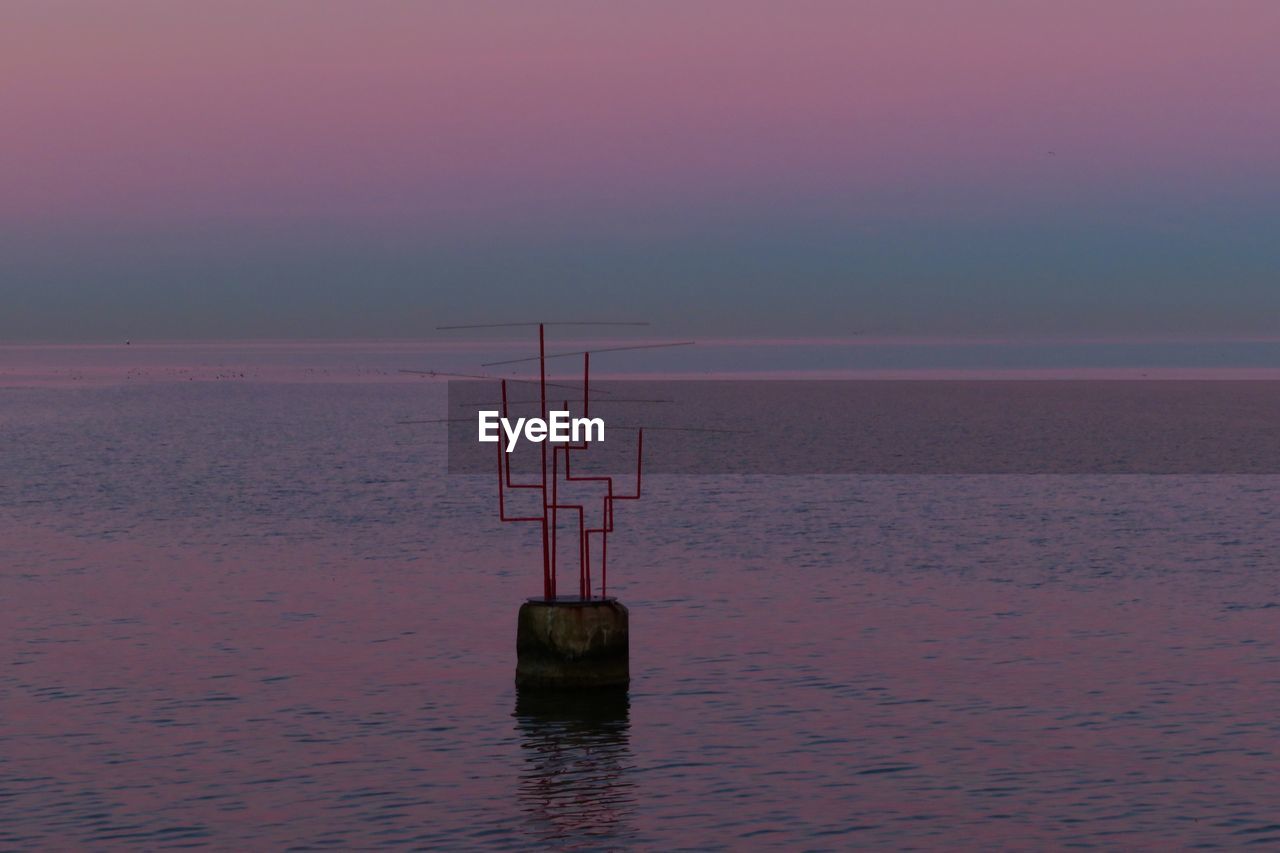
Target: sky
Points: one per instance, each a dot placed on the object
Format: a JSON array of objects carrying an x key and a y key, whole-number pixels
[{"x": 374, "y": 168}]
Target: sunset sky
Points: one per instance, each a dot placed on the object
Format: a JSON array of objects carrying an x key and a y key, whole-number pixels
[{"x": 309, "y": 168}]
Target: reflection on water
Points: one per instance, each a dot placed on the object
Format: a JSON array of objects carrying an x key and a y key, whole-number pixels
[{"x": 575, "y": 783}]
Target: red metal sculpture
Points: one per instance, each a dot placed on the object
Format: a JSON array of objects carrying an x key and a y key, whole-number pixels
[
  {"x": 549, "y": 488},
  {"x": 548, "y": 485}
]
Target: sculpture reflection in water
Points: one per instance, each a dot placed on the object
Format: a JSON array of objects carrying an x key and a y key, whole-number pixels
[{"x": 575, "y": 784}]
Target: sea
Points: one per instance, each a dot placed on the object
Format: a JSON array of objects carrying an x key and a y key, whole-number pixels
[{"x": 245, "y": 605}]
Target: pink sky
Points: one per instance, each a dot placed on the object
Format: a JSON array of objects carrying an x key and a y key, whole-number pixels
[
  {"x": 292, "y": 110},
  {"x": 312, "y": 168}
]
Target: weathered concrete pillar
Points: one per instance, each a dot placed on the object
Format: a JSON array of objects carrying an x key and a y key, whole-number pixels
[{"x": 571, "y": 643}]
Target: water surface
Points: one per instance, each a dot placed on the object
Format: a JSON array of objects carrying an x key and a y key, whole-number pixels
[{"x": 253, "y": 611}]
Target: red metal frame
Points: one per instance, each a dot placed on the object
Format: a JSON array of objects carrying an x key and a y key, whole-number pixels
[{"x": 551, "y": 505}]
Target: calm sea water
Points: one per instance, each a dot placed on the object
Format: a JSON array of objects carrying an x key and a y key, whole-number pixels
[{"x": 251, "y": 611}]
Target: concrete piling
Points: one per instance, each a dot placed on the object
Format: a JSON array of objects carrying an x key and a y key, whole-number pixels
[{"x": 571, "y": 643}]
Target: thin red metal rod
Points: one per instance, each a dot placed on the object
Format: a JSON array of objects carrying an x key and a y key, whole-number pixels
[
  {"x": 502, "y": 504},
  {"x": 551, "y": 505},
  {"x": 548, "y": 577},
  {"x": 581, "y": 510},
  {"x": 584, "y": 556},
  {"x": 551, "y": 502},
  {"x": 607, "y": 521},
  {"x": 505, "y": 413},
  {"x": 584, "y": 532},
  {"x": 639, "y": 466},
  {"x": 607, "y": 509},
  {"x": 555, "y": 499}
]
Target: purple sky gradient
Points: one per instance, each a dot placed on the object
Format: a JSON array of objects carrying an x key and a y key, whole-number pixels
[{"x": 341, "y": 169}]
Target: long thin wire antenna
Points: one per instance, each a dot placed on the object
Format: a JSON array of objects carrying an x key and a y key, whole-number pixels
[
  {"x": 559, "y": 323},
  {"x": 467, "y": 404},
  {"x": 436, "y": 421},
  {"x": 467, "y": 375},
  {"x": 487, "y": 376},
  {"x": 585, "y": 351},
  {"x": 682, "y": 429}
]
